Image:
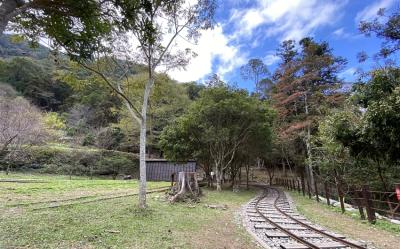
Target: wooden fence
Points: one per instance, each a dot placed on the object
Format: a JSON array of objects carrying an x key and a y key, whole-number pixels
[{"x": 367, "y": 201}]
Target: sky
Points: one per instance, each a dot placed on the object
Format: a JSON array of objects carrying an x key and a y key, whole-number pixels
[{"x": 248, "y": 29}]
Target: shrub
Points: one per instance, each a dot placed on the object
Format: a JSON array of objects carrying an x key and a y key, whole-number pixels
[{"x": 75, "y": 161}]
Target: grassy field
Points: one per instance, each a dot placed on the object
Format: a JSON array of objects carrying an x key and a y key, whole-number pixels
[
  {"x": 382, "y": 235},
  {"x": 54, "y": 187},
  {"x": 82, "y": 219}
]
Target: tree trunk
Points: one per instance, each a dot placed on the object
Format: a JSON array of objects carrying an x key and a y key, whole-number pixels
[
  {"x": 240, "y": 175},
  {"x": 8, "y": 169},
  {"x": 247, "y": 176},
  {"x": 232, "y": 177},
  {"x": 142, "y": 151},
  {"x": 381, "y": 177},
  {"x": 218, "y": 178},
  {"x": 186, "y": 187},
  {"x": 308, "y": 145},
  {"x": 91, "y": 173}
]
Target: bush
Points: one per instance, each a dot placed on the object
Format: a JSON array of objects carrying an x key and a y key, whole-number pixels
[
  {"x": 88, "y": 140},
  {"x": 76, "y": 161},
  {"x": 110, "y": 138}
]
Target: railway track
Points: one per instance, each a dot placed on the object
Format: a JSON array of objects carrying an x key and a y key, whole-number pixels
[{"x": 272, "y": 219}]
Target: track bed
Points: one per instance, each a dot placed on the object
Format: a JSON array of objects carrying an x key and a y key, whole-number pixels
[{"x": 271, "y": 218}]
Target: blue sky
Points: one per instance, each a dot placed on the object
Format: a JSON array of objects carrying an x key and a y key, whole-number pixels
[{"x": 253, "y": 29}]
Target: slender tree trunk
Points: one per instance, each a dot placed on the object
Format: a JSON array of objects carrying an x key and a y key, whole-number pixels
[
  {"x": 142, "y": 151},
  {"x": 308, "y": 145},
  {"x": 8, "y": 169},
  {"x": 240, "y": 175},
  {"x": 283, "y": 167},
  {"x": 309, "y": 155},
  {"x": 232, "y": 176},
  {"x": 247, "y": 176},
  {"x": 381, "y": 177},
  {"x": 218, "y": 178}
]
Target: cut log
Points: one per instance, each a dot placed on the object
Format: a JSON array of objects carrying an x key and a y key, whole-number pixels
[{"x": 186, "y": 188}]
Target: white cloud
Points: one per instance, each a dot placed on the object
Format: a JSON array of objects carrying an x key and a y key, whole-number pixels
[
  {"x": 212, "y": 45},
  {"x": 271, "y": 59},
  {"x": 292, "y": 19},
  {"x": 348, "y": 74},
  {"x": 221, "y": 53},
  {"x": 370, "y": 11},
  {"x": 339, "y": 32}
]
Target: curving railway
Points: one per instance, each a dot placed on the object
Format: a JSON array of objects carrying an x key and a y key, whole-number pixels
[{"x": 272, "y": 219}]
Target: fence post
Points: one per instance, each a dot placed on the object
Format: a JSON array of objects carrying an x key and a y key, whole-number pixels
[
  {"x": 316, "y": 189},
  {"x": 308, "y": 189},
  {"x": 368, "y": 204},
  {"x": 298, "y": 185},
  {"x": 328, "y": 202},
  {"x": 172, "y": 179},
  {"x": 358, "y": 195},
  {"x": 340, "y": 195}
]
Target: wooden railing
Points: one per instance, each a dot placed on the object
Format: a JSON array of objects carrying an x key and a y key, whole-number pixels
[{"x": 361, "y": 197}]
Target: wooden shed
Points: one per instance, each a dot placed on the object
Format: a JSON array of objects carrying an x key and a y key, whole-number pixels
[{"x": 161, "y": 169}]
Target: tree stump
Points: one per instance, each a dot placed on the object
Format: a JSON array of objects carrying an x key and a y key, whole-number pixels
[{"x": 186, "y": 188}]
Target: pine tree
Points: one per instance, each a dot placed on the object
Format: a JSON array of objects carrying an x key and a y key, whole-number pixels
[{"x": 306, "y": 82}]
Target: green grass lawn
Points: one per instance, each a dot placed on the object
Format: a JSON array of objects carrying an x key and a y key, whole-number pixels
[
  {"x": 383, "y": 234},
  {"x": 50, "y": 187},
  {"x": 116, "y": 223}
]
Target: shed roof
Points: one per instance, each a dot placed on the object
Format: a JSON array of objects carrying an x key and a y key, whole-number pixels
[{"x": 165, "y": 160}]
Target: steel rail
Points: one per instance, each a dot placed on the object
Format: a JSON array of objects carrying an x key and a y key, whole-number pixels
[
  {"x": 294, "y": 236},
  {"x": 350, "y": 244}
]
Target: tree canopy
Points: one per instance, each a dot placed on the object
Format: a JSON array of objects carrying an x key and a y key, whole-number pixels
[{"x": 222, "y": 124}]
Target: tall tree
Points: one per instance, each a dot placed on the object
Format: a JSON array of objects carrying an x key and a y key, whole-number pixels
[
  {"x": 306, "y": 83},
  {"x": 219, "y": 125},
  {"x": 257, "y": 71},
  {"x": 385, "y": 27},
  {"x": 153, "y": 26},
  {"x": 368, "y": 132},
  {"x": 20, "y": 125},
  {"x": 167, "y": 101}
]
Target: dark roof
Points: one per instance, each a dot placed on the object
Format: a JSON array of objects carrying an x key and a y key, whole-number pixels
[{"x": 165, "y": 160}]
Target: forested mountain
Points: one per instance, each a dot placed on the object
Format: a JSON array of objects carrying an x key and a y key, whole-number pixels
[
  {"x": 12, "y": 46},
  {"x": 90, "y": 114}
]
